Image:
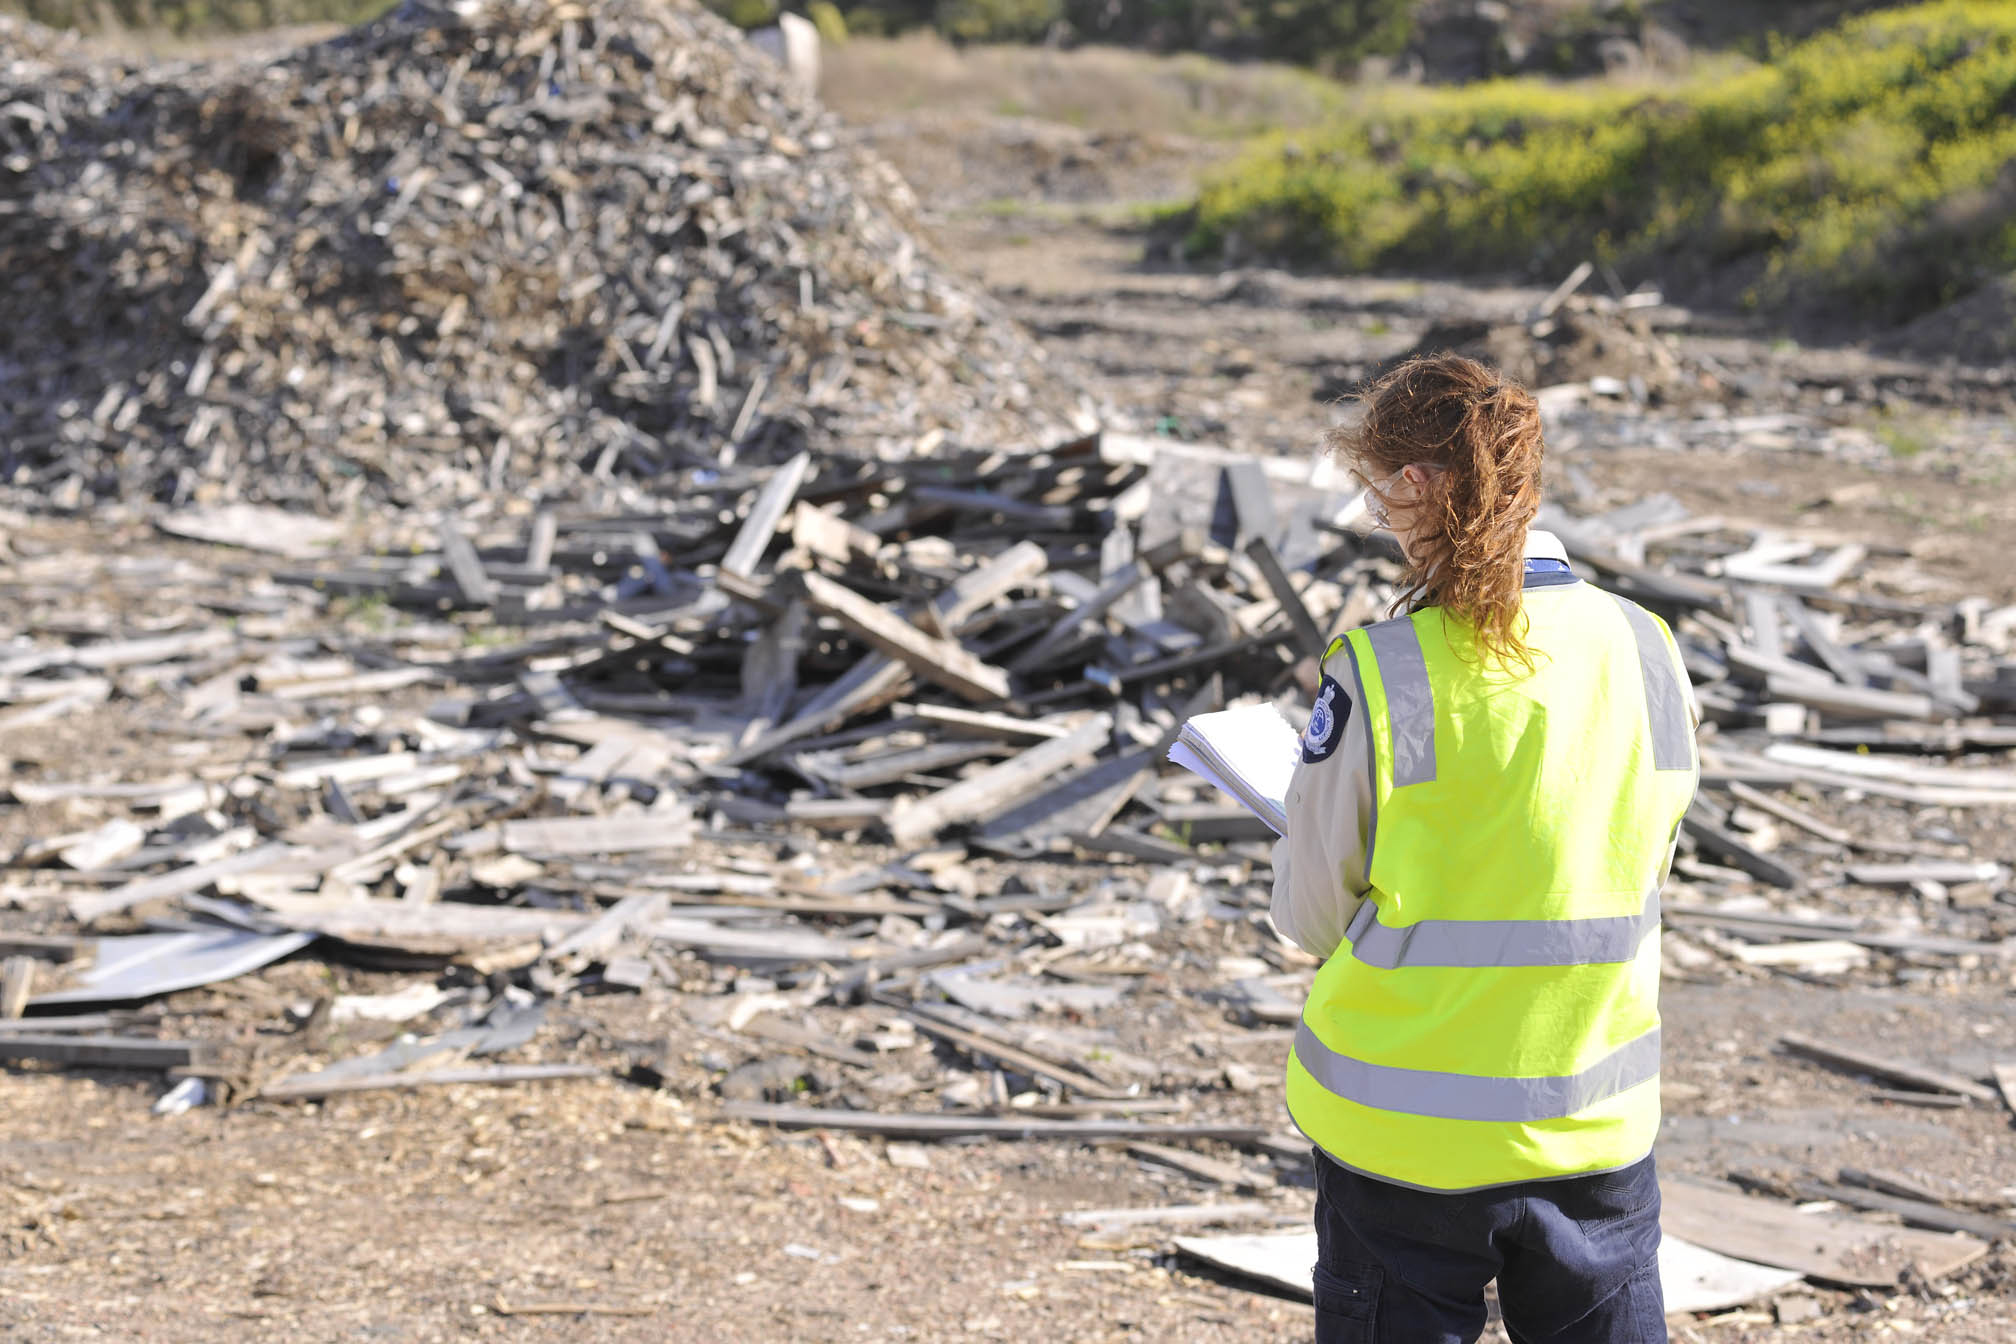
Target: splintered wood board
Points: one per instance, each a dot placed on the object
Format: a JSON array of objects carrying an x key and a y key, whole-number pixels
[{"x": 1831, "y": 1247}]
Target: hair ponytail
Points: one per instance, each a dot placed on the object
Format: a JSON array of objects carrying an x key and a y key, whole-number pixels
[{"x": 1469, "y": 538}]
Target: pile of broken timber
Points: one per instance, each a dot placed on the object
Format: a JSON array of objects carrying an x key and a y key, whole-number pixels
[
  {"x": 865, "y": 754},
  {"x": 540, "y": 246}
]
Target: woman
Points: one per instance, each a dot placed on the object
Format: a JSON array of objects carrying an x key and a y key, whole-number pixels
[{"x": 1489, "y": 792}]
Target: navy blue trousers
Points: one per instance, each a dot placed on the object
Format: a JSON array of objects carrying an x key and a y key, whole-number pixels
[{"x": 1576, "y": 1260}]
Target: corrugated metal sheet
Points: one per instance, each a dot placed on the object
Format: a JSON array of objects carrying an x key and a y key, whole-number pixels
[{"x": 142, "y": 965}]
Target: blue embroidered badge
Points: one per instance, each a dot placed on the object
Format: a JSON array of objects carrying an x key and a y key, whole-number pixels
[{"x": 1326, "y": 721}]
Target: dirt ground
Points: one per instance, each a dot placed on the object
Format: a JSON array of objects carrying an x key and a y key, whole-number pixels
[{"x": 607, "y": 1210}]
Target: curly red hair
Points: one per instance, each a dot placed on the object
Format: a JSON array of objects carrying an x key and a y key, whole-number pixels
[{"x": 1469, "y": 528}]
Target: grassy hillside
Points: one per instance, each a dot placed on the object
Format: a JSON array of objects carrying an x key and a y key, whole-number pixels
[{"x": 1870, "y": 165}]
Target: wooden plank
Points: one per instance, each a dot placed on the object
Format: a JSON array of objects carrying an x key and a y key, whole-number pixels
[
  {"x": 1852, "y": 702},
  {"x": 992, "y": 790},
  {"x": 823, "y": 532},
  {"x": 986, "y": 723},
  {"x": 1767, "y": 923},
  {"x": 596, "y": 835},
  {"x": 44, "y": 1024},
  {"x": 181, "y": 882},
  {"x": 1070, "y": 626},
  {"x": 1879, "y": 1066},
  {"x": 1760, "y": 613},
  {"x": 601, "y": 934},
  {"x": 939, "y": 661},
  {"x": 1172, "y": 1215},
  {"x": 57, "y": 947},
  {"x": 1845, "y": 666},
  {"x": 1784, "y": 811},
  {"x": 1813, "y": 576},
  {"x": 1307, "y": 633},
  {"x": 864, "y": 973},
  {"x": 1915, "y": 1212},
  {"x": 17, "y": 984},
  {"x": 746, "y": 551},
  {"x": 2005, "y": 1082},
  {"x": 1081, "y": 805},
  {"x": 540, "y": 535},
  {"x": 155, "y": 649},
  {"x": 948, "y": 613},
  {"x": 1244, "y": 506},
  {"x": 1015, "y": 1057},
  {"x": 308, "y": 1087},
  {"x": 776, "y": 1030},
  {"x": 104, "y": 846},
  {"x": 1724, "y": 846},
  {"x": 465, "y": 567},
  {"x": 896, "y": 765},
  {"x": 1231, "y": 1175},
  {"x": 117, "y": 1052},
  {"x": 1950, "y": 872},
  {"x": 937, "y": 1125},
  {"x": 1830, "y": 1247},
  {"x": 1126, "y": 841}
]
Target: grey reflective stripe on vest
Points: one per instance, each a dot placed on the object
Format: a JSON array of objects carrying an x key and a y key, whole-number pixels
[
  {"x": 1371, "y": 756},
  {"x": 1665, "y": 699},
  {"x": 1500, "y": 942},
  {"x": 1462, "y": 1096},
  {"x": 1410, "y": 700}
]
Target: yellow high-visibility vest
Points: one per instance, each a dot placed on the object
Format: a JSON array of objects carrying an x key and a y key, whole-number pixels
[{"x": 1492, "y": 1015}]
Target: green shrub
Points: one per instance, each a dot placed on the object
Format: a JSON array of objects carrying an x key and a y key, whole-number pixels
[
  {"x": 1865, "y": 165},
  {"x": 746, "y": 13},
  {"x": 998, "y": 20},
  {"x": 828, "y": 19}
]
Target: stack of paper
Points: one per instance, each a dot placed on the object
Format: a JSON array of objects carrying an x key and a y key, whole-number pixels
[{"x": 1249, "y": 753}]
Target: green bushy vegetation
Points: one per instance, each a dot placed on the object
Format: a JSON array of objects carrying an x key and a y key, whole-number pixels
[
  {"x": 1872, "y": 165},
  {"x": 194, "y": 16}
]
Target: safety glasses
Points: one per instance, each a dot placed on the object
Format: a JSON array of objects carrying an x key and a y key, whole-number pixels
[{"x": 1376, "y": 506}]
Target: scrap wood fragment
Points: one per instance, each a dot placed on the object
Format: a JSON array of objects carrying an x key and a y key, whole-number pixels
[
  {"x": 1723, "y": 845},
  {"x": 595, "y": 835},
  {"x": 761, "y": 522},
  {"x": 477, "y": 588},
  {"x": 1831, "y": 1248},
  {"x": 180, "y": 882},
  {"x": 1915, "y": 1212},
  {"x": 1784, "y": 811},
  {"x": 1878, "y": 1066},
  {"x": 115, "y": 1052},
  {"x": 56, "y": 947},
  {"x": 1229, "y": 1174},
  {"x": 936, "y": 660},
  {"x": 938, "y": 1125},
  {"x": 1014, "y": 1056},
  {"x": 1073, "y": 623},
  {"x": 994, "y": 789},
  {"x": 1763, "y": 923},
  {"x": 600, "y": 935},
  {"x": 506, "y": 1308},
  {"x": 2005, "y": 1082},
  {"x": 1171, "y": 1215},
  {"x": 309, "y": 1087},
  {"x": 17, "y": 982}
]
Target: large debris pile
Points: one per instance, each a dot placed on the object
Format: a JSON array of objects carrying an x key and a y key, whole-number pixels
[{"x": 491, "y": 246}]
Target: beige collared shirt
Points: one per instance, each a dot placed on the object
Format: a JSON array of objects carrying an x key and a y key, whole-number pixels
[{"x": 1319, "y": 866}]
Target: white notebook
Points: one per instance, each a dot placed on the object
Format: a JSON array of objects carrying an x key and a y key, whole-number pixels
[{"x": 1248, "y": 753}]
